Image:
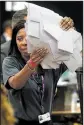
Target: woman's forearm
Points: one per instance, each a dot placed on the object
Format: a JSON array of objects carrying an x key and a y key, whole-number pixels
[{"x": 19, "y": 80}]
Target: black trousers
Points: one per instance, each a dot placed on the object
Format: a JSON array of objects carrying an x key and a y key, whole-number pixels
[{"x": 24, "y": 122}]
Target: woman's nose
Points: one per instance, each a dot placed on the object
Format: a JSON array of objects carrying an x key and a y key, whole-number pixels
[{"x": 25, "y": 41}]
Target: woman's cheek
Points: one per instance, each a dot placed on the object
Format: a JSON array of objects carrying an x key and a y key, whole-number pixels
[{"x": 19, "y": 48}]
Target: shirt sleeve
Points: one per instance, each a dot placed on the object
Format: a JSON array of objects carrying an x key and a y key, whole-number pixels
[{"x": 9, "y": 68}]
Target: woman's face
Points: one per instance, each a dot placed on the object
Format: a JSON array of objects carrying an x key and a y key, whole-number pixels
[{"x": 21, "y": 42}]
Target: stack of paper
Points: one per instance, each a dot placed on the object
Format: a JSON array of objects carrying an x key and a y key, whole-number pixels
[{"x": 43, "y": 30}]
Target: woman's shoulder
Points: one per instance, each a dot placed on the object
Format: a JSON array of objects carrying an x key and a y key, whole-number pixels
[{"x": 10, "y": 60}]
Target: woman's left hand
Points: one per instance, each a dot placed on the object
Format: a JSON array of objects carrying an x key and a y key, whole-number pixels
[{"x": 66, "y": 23}]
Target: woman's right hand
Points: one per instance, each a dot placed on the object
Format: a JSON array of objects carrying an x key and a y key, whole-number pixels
[{"x": 38, "y": 55}]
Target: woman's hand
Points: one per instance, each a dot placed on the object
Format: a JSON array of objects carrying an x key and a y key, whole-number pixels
[
  {"x": 19, "y": 79},
  {"x": 66, "y": 23},
  {"x": 37, "y": 56}
]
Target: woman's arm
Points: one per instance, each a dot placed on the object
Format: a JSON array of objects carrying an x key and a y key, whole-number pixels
[{"x": 19, "y": 79}]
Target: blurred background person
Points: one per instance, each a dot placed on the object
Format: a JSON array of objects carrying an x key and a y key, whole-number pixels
[
  {"x": 7, "y": 32},
  {"x": 7, "y": 112},
  {"x": 5, "y": 42}
]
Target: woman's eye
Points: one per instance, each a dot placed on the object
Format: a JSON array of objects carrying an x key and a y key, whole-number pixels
[{"x": 19, "y": 38}]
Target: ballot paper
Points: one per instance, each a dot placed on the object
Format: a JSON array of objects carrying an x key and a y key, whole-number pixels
[
  {"x": 43, "y": 30},
  {"x": 75, "y": 61},
  {"x": 65, "y": 38}
]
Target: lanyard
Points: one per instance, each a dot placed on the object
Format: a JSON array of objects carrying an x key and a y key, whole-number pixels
[
  {"x": 42, "y": 83},
  {"x": 40, "y": 89}
]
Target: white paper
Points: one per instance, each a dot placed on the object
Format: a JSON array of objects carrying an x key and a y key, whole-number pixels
[
  {"x": 34, "y": 25},
  {"x": 78, "y": 44},
  {"x": 75, "y": 61},
  {"x": 53, "y": 30},
  {"x": 65, "y": 43},
  {"x": 65, "y": 38},
  {"x": 44, "y": 31},
  {"x": 33, "y": 13}
]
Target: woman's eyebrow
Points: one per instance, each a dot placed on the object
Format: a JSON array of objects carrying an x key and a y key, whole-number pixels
[{"x": 19, "y": 35}]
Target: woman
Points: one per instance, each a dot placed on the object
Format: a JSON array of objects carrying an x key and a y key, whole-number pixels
[{"x": 30, "y": 87}]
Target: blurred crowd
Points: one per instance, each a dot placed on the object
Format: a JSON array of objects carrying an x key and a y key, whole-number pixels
[
  {"x": 5, "y": 42},
  {"x": 7, "y": 112}
]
